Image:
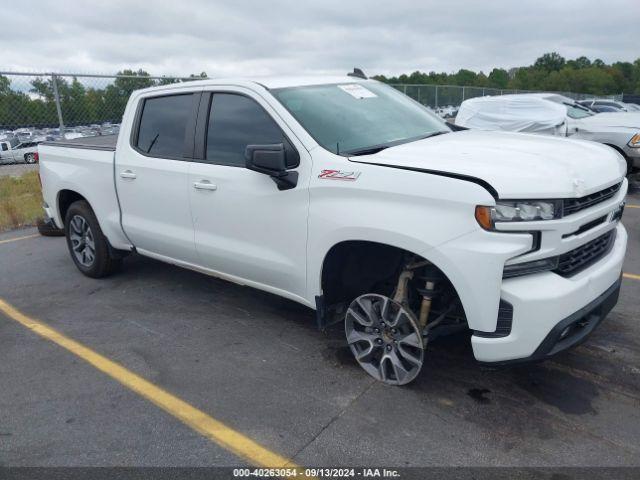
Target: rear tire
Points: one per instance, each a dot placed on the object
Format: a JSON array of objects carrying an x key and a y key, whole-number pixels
[{"x": 88, "y": 246}]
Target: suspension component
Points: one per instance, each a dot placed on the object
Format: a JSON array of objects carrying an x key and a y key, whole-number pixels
[
  {"x": 430, "y": 277},
  {"x": 401, "y": 295}
]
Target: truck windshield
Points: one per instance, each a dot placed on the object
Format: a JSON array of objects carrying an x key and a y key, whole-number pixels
[{"x": 358, "y": 118}]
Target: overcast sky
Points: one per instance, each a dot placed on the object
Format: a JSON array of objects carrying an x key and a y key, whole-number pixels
[{"x": 317, "y": 36}]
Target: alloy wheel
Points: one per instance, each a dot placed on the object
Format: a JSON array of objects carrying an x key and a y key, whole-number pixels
[
  {"x": 385, "y": 339},
  {"x": 82, "y": 241}
]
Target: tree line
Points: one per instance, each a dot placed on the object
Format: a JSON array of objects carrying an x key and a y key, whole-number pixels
[
  {"x": 83, "y": 104},
  {"x": 550, "y": 72},
  {"x": 79, "y": 103}
]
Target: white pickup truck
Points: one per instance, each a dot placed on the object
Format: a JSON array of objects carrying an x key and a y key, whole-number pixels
[{"x": 348, "y": 197}]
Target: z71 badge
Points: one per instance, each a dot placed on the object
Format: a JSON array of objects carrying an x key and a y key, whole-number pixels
[{"x": 338, "y": 175}]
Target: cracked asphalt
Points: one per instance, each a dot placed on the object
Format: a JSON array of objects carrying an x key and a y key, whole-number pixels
[{"x": 257, "y": 363}]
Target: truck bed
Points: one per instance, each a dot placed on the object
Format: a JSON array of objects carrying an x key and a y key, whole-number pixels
[
  {"x": 84, "y": 166},
  {"x": 101, "y": 142}
]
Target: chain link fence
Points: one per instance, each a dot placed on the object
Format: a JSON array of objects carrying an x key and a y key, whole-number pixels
[
  {"x": 446, "y": 99},
  {"x": 48, "y": 106}
]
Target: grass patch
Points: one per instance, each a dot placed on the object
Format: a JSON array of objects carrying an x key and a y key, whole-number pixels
[{"x": 20, "y": 201}]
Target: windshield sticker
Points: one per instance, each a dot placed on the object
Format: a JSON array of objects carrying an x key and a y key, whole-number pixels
[
  {"x": 338, "y": 175},
  {"x": 357, "y": 91}
]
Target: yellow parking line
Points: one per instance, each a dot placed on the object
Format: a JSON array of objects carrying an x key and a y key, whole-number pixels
[
  {"x": 632, "y": 206},
  {"x": 214, "y": 430},
  {"x": 632, "y": 276},
  {"x": 8, "y": 240}
]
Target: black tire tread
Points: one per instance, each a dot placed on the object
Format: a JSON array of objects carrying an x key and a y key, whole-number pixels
[{"x": 104, "y": 263}]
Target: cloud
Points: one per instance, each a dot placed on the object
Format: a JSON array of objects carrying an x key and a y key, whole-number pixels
[{"x": 328, "y": 36}]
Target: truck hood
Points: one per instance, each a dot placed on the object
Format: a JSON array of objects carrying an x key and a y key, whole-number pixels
[
  {"x": 515, "y": 165},
  {"x": 613, "y": 120}
]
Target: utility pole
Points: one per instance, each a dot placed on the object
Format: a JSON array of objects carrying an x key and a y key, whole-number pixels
[{"x": 56, "y": 96}]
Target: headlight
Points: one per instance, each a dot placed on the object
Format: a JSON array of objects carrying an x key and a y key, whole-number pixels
[
  {"x": 635, "y": 141},
  {"x": 518, "y": 211}
]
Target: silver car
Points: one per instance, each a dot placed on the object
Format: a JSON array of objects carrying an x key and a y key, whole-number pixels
[{"x": 23, "y": 152}]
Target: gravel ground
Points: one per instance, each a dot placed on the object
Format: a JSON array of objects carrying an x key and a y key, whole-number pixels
[{"x": 17, "y": 170}]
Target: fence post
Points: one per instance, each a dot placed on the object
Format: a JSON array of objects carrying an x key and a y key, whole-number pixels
[
  {"x": 56, "y": 97},
  {"x": 436, "y": 96},
  {"x": 463, "y": 94}
]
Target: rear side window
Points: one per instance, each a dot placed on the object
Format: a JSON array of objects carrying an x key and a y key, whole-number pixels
[
  {"x": 236, "y": 121},
  {"x": 163, "y": 125}
]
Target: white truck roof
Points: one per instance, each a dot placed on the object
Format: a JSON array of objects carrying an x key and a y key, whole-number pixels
[
  {"x": 534, "y": 112},
  {"x": 267, "y": 81}
]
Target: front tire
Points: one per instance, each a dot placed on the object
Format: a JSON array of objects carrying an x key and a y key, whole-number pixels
[
  {"x": 88, "y": 246},
  {"x": 30, "y": 158}
]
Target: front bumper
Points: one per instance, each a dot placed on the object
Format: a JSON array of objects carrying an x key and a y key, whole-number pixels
[
  {"x": 573, "y": 330},
  {"x": 544, "y": 304}
]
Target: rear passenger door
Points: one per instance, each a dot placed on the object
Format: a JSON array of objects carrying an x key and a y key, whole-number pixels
[
  {"x": 151, "y": 176},
  {"x": 245, "y": 227}
]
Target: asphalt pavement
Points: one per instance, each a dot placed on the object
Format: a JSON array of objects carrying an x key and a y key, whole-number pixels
[{"x": 257, "y": 363}]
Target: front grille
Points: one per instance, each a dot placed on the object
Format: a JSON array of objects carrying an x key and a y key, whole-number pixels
[
  {"x": 582, "y": 257},
  {"x": 573, "y": 205},
  {"x": 586, "y": 226}
]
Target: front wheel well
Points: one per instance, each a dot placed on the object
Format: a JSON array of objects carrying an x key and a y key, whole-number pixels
[{"x": 353, "y": 268}]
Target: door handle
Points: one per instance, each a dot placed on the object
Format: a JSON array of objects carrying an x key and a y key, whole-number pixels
[
  {"x": 128, "y": 174},
  {"x": 204, "y": 185}
]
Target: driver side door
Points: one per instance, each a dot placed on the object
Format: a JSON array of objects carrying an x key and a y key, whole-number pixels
[{"x": 246, "y": 229}]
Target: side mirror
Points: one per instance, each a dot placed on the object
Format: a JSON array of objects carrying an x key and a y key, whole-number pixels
[
  {"x": 271, "y": 160},
  {"x": 268, "y": 159}
]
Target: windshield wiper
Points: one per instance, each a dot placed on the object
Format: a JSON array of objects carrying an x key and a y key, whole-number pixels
[
  {"x": 432, "y": 134},
  {"x": 579, "y": 106},
  {"x": 378, "y": 148},
  {"x": 367, "y": 150}
]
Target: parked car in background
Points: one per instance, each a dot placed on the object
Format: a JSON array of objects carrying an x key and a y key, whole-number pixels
[
  {"x": 23, "y": 152},
  {"x": 448, "y": 111},
  {"x": 5, "y": 147},
  {"x": 553, "y": 114},
  {"x": 348, "y": 197},
  {"x": 594, "y": 103}
]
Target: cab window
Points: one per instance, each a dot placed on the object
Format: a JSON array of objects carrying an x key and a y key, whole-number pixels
[
  {"x": 236, "y": 121},
  {"x": 163, "y": 124}
]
